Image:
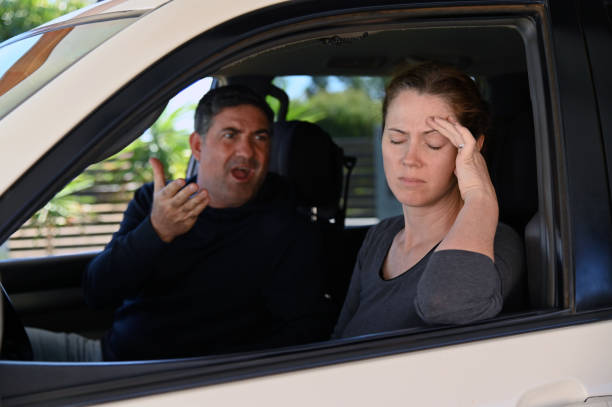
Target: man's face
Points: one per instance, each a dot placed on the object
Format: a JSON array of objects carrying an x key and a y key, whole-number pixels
[{"x": 233, "y": 155}]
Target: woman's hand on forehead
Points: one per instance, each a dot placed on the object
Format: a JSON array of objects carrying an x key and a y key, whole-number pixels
[{"x": 470, "y": 166}]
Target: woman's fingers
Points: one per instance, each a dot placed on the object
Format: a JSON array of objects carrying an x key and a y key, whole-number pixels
[
  {"x": 466, "y": 134},
  {"x": 451, "y": 131},
  {"x": 445, "y": 129}
]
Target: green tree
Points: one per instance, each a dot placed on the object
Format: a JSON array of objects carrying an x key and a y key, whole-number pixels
[
  {"x": 18, "y": 16},
  {"x": 350, "y": 113},
  {"x": 163, "y": 141}
]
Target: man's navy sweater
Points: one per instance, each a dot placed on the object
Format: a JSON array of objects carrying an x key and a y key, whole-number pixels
[{"x": 241, "y": 278}]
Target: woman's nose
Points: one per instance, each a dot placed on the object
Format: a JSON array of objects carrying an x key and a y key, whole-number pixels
[{"x": 411, "y": 155}]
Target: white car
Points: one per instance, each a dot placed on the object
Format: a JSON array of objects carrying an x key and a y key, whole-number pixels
[{"x": 78, "y": 89}]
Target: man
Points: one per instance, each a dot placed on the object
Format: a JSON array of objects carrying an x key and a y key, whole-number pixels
[{"x": 215, "y": 264}]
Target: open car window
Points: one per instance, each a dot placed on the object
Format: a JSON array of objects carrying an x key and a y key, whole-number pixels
[
  {"x": 343, "y": 68},
  {"x": 83, "y": 216}
]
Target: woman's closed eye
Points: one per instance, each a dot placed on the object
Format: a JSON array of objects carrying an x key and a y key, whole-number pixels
[{"x": 434, "y": 140}]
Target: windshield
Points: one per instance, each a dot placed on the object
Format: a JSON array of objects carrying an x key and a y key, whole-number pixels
[{"x": 28, "y": 64}]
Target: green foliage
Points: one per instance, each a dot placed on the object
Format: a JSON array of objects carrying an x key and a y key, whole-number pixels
[
  {"x": 350, "y": 113},
  {"x": 129, "y": 166},
  {"x": 66, "y": 208},
  {"x": 65, "y": 204},
  {"x": 18, "y": 16},
  {"x": 353, "y": 112},
  {"x": 163, "y": 141}
]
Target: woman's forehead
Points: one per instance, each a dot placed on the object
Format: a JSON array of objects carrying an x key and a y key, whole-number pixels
[{"x": 410, "y": 105}]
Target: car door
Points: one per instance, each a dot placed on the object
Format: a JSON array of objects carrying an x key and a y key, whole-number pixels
[{"x": 554, "y": 352}]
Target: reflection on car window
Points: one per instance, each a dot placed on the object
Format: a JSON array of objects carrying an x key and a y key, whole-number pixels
[
  {"x": 28, "y": 64},
  {"x": 11, "y": 54}
]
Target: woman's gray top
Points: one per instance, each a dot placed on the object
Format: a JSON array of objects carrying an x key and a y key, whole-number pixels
[{"x": 444, "y": 287}]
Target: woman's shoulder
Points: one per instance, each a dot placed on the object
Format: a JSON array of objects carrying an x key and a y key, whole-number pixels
[{"x": 386, "y": 228}]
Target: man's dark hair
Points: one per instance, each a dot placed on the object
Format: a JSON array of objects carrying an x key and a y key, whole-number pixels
[{"x": 227, "y": 96}]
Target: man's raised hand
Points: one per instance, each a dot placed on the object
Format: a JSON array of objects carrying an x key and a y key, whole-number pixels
[{"x": 175, "y": 209}]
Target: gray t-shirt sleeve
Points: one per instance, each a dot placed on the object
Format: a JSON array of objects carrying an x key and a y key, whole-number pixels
[{"x": 459, "y": 287}]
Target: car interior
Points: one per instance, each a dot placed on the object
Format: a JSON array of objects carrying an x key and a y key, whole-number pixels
[{"x": 45, "y": 292}]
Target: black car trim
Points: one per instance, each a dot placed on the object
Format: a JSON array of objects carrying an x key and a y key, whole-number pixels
[{"x": 586, "y": 204}]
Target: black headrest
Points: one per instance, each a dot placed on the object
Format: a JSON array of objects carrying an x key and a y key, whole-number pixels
[{"x": 307, "y": 156}]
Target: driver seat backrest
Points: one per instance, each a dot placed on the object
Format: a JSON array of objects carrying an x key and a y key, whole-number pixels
[
  {"x": 306, "y": 155},
  {"x": 314, "y": 165}
]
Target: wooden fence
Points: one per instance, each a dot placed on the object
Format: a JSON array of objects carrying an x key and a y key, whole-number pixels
[{"x": 112, "y": 189}]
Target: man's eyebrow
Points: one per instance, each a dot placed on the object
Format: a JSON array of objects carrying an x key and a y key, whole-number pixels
[
  {"x": 267, "y": 131},
  {"x": 230, "y": 129}
]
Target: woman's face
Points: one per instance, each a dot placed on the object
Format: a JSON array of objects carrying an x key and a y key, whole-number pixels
[{"x": 419, "y": 162}]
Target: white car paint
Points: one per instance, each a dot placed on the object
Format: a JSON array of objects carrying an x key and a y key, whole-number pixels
[{"x": 539, "y": 369}]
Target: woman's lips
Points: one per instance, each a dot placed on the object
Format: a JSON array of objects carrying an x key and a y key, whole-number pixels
[{"x": 408, "y": 181}]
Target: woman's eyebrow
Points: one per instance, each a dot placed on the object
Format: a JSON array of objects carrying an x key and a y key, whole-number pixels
[{"x": 397, "y": 130}]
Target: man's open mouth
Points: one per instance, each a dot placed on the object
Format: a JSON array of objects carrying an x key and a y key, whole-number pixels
[{"x": 242, "y": 173}]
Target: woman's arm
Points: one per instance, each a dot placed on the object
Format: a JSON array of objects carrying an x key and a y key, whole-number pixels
[
  {"x": 474, "y": 228},
  {"x": 473, "y": 269},
  {"x": 459, "y": 286}
]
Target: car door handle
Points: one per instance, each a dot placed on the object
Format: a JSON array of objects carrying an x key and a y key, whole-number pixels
[
  {"x": 563, "y": 393},
  {"x": 597, "y": 401}
]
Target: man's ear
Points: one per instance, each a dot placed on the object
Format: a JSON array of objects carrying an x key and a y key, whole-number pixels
[
  {"x": 195, "y": 142},
  {"x": 480, "y": 142}
]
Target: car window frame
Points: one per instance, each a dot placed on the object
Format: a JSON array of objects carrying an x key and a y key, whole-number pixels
[{"x": 153, "y": 88}]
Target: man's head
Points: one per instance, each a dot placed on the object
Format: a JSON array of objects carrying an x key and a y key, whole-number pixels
[{"x": 232, "y": 144}]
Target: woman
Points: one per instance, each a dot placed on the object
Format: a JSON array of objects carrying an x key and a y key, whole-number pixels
[{"x": 446, "y": 260}]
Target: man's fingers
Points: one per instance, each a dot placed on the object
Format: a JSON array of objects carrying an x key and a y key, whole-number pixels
[
  {"x": 199, "y": 208},
  {"x": 184, "y": 194},
  {"x": 159, "y": 179},
  {"x": 195, "y": 200},
  {"x": 170, "y": 190}
]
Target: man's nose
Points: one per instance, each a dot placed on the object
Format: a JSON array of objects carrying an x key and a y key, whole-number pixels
[{"x": 244, "y": 147}]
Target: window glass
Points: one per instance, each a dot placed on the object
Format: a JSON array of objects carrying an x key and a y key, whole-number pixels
[
  {"x": 28, "y": 64},
  {"x": 84, "y": 215}
]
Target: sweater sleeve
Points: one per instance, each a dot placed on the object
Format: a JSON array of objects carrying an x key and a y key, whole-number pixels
[
  {"x": 459, "y": 287},
  {"x": 123, "y": 267}
]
